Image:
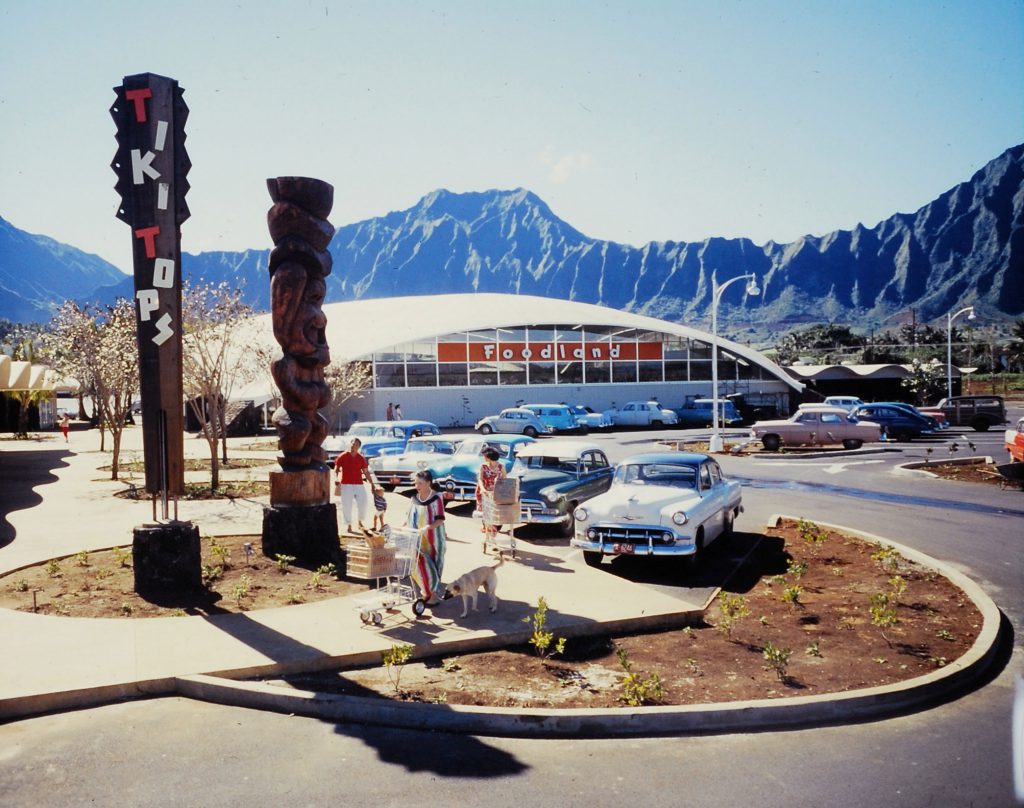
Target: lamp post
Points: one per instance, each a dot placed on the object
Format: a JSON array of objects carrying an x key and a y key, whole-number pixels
[
  {"x": 715, "y": 444},
  {"x": 949, "y": 346}
]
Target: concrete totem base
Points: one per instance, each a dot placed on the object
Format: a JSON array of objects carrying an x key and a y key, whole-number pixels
[
  {"x": 309, "y": 533},
  {"x": 166, "y": 558}
]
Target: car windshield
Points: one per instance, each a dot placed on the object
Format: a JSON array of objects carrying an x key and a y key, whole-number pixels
[
  {"x": 470, "y": 447},
  {"x": 671, "y": 474},
  {"x": 432, "y": 447},
  {"x": 567, "y": 464},
  {"x": 360, "y": 430}
]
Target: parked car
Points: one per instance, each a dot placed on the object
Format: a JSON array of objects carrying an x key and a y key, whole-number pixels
[
  {"x": 395, "y": 470},
  {"x": 980, "y": 413},
  {"x": 931, "y": 422},
  {"x": 699, "y": 412},
  {"x": 591, "y": 419},
  {"x": 557, "y": 417},
  {"x": 848, "y": 403},
  {"x": 817, "y": 425},
  {"x": 660, "y": 504},
  {"x": 557, "y": 475},
  {"x": 1015, "y": 441},
  {"x": 518, "y": 420},
  {"x": 456, "y": 475},
  {"x": 898, "y": 424},
  {"x": 642, "y": 413},
  {"x": 379, "y": 437},
  {"x": 937, "y": 414}
]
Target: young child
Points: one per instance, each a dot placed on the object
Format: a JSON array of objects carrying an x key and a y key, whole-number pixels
[{"x": 380, "y": 505}]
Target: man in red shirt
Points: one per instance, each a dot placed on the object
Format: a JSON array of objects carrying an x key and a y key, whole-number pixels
[{"x": 351, "y": 469}]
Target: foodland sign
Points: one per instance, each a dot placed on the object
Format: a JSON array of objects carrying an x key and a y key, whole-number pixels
[
  {"x": 547, "y": 351},
  {"x": 151, "y": 165}
]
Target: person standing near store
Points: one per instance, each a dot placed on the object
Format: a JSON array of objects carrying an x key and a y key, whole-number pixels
[
  {"x": 398, "y": 412},
  {"x": 426, "y": 515},
  {"x": 65, "y": 423},
  {"x": 490, "y": 472},
  {"x": 391, "y": 412},
  {"x": 351, "y": 469}
]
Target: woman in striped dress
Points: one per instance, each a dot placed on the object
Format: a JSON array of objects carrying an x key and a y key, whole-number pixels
[{"x": 426, "y": 514}]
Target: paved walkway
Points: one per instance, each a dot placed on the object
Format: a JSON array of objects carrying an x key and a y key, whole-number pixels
[{"x": 57, "y": 502}]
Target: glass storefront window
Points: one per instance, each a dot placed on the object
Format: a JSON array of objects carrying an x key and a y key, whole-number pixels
[
  {"x": 483, "y": 373},
  {"x": 425, "y": 351},
  {"x": 699, "y": 350},
  {"x": 452, "y": 374},
  {"x": 421, "y": 374},
  {"x": 650, "y": 371},
  {"x": 512, "y": 373},
  {"x": 676, "y": 347},
  {"x": 570, "y": 373},
  {"x": 542, "y": 373},
  {"x": 389, "y": 374},
  {"x": 623, "y": 372},
  {"x": 676, "y": 371},
  {"x": 700, "y": 371},
  {"x": 599, "y": 372}
]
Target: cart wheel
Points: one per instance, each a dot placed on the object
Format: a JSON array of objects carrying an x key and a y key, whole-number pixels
[
  {"x": 512, "y": 546},
  {"x": 364, "y": 616},
  {"x": 378, "y": 618},
  {"x": 419, "y": 606}
]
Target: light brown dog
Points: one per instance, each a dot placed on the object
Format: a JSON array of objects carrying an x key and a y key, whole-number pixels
[{"x": 469, "y": 585}]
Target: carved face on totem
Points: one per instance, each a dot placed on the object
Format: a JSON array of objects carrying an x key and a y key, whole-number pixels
[{"x": 301, "y": 328}]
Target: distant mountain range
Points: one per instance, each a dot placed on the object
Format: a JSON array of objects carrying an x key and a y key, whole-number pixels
[{"x": 966, "y": 247}]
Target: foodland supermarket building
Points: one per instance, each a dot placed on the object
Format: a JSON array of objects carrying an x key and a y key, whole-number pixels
[{"x": 452, "y": 359}]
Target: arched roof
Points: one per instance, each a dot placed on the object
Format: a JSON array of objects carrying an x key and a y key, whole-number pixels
[{"x": 358, "y": 328}]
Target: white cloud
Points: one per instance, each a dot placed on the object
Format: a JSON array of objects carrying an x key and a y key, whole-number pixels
[{"x": 565, "y": 166}]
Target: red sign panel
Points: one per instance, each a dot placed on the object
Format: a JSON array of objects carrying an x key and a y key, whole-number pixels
[{"x": 547, "y": 351}]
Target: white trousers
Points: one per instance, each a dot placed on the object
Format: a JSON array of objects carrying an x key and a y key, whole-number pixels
[{"x": 354, "y": 494}]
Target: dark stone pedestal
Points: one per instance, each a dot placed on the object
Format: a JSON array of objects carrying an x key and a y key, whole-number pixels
[
  {"x": 307, "y": 532},
  {"x": 166, "y": 558}
]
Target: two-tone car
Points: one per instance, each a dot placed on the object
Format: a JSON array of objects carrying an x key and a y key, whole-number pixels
[
  {"x": 817, "y": 425},
  {"x": 642, "y": 413},
  {"x": 700, "y": 412},
  {"x": 513, "y": 420},
  {"x": 590, "y": 419},
  {"x": 557, "y": 417},
  {"x": 555, "y": 476},
  {"x": 671, "y": 504},
  {"x": 379, "y": 437},
  {"x": 456, "y": 475},
  {"x": 1014, "y": 439},
  {"x": 399, "y": 470}
]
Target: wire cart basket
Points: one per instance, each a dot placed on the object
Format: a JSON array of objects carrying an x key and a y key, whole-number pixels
[{"x": 394, "y": 579}]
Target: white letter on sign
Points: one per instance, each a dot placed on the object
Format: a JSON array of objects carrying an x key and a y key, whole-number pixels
[
  {"x": 143, "y": 165},
  {"x": 149, "y": 301},
  {"x": 163, "y": 273},
  {"x": 163, "y": 329}
]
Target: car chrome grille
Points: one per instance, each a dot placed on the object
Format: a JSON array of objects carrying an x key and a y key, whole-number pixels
[{"x": 634, "y": 535}]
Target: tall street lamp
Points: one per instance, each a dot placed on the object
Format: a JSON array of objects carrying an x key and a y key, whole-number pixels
[
  {"x": 715, "y": 444},
  {"x": 949, "y": 346}
]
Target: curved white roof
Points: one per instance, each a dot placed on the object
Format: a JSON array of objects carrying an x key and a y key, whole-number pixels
[{"x": 358, "y": 328}]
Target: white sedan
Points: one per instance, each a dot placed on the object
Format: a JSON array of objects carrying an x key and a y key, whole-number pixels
[
  {"x": 643, "y": 413},
  {"x": 660, "y": 504}
]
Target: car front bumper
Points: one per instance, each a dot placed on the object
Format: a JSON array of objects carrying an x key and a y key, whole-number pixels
[
  {"x": 538, "y": 513},
  {"x": 609, "y": 538}
]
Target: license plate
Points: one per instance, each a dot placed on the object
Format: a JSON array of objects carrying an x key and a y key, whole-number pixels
[{"x": 623, "y": 549}]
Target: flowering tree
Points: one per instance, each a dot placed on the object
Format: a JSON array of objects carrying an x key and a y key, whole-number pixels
[
  {"x": 927, "y": 381},
  {"x": 345, "y": 380},
  {"x": 217, "y": 354},
  {"x": 97, "y": 346}
]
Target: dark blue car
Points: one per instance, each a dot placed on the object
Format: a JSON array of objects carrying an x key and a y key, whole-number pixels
[{"x": 895, "y": 422}]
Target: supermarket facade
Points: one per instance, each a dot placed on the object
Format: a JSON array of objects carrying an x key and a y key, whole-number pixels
[{"x": 453, "y": 359}]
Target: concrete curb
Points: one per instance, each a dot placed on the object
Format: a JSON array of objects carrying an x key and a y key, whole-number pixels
[
  {"x": 818, "y": 455},
  {"x": 747, "y": 716},
  {"x": 919, "y": 468}
]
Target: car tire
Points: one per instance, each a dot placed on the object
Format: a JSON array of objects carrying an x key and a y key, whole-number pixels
[
  {"x": 584, "y": 429},
  {"x": 729, "y": 527},
  {"x": 592, "y": 558},
  {"x": 852, "y": 443},
  {"x": 903, "y": 436},
  {"x": 657, "y": 424},
  {"x": 486, "y": 429},
  {"x": 530, "y": 432},
  {"x": 568, "y": 528},
  {"x": 979, "y": 424},
  {"x": 690, "y": 562},
  {"x": 771, "y": 443}
]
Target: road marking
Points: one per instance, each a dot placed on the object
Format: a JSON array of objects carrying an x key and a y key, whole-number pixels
[{"x": 830, "y": 468}]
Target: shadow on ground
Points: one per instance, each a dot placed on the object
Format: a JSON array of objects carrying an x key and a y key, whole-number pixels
[{"x": 23, "y": 471}]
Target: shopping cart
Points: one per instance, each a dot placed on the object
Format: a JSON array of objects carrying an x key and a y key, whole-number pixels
[
  {"x": 394, "y": 578},
  {"x": 502, "y": 515}
]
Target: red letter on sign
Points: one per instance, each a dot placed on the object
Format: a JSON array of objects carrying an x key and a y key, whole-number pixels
[
  {"x": 149, "y": 234},
  {"x": 138, "y": 97}
]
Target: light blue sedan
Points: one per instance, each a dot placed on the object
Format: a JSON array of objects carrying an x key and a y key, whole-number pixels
[{"x": 457, "y": 475}]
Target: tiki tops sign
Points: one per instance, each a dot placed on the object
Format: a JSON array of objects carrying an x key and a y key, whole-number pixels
[
  {"x": 546, "y": 351},
  {"x": 151, "y": 167}
]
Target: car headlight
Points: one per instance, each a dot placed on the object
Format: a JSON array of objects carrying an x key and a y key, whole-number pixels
[
  {"x": 421, "y": 464},
  {"x": 679, "y": 518},
  {"x": 376, "y": 463},
  {"x": 552, "y": 497},
  {"x": 669, "y": 538},
  {"x": 581, "y": 514}
]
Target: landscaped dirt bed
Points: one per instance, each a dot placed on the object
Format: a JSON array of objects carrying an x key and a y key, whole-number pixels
[{"x": 857, "y": 616}]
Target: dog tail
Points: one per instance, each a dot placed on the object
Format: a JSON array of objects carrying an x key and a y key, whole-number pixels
[{"x": 501, "y": 560}]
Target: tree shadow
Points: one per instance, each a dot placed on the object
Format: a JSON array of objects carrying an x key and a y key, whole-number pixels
[{"x": 23, "y": 472}]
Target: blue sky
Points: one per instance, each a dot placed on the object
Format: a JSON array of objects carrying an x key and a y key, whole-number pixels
[{"x": 636, "y": 121}]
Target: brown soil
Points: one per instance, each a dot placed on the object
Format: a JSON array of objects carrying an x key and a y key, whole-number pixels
[
  {"x": 102, "y": 584},
  {"x": 827, "y": 629},
  {"x": 827, "y": 632},
  {"x": 971, "y": 473}
]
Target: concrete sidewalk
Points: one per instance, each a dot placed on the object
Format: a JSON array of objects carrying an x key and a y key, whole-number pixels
[{"x": 56, "y": 662}]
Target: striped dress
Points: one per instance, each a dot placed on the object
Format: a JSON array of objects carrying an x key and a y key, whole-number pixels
[{"x": 430, "y": 564}]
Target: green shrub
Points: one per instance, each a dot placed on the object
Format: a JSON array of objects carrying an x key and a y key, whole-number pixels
[
  {"x": 637, "y": 690},
  {"x": 542, "y": 639}
]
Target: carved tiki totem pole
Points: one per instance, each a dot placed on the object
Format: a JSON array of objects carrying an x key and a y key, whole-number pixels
[{"x": 301, "y": 521}]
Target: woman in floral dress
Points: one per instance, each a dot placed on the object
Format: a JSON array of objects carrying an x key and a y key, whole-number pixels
[
  {"x": 426, "y": 514},
  {"x": 490, "y": 472}
]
